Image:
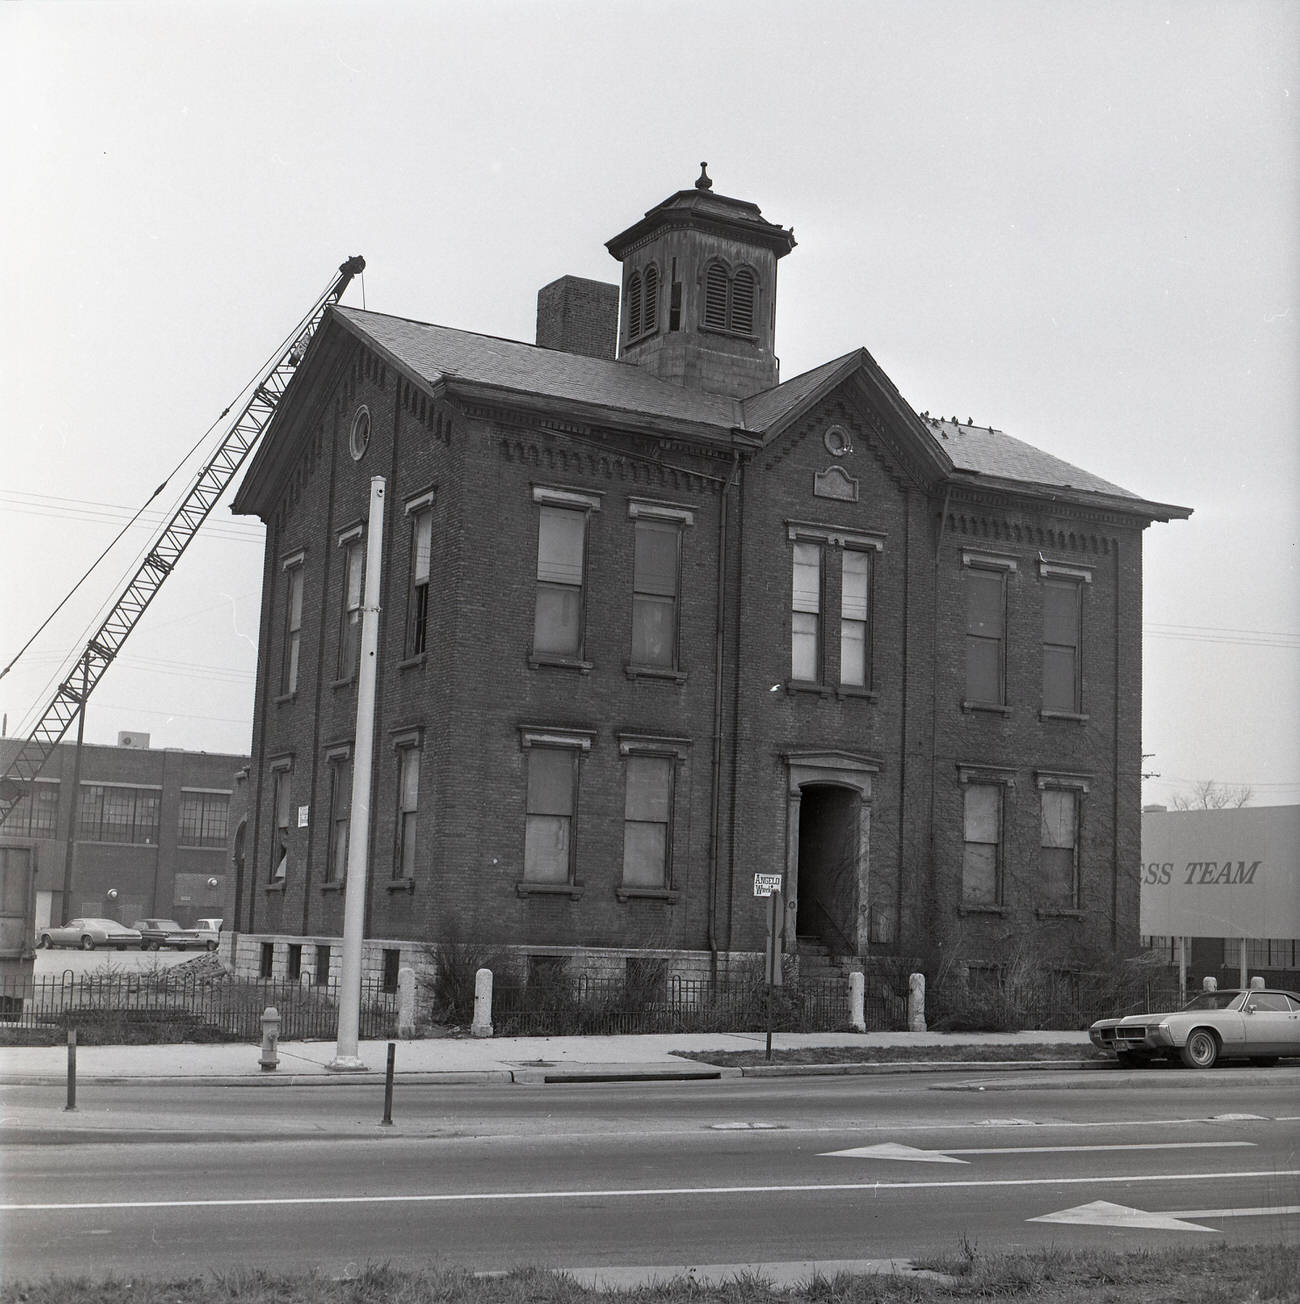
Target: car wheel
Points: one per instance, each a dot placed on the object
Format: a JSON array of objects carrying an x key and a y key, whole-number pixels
[
  {"x": 1201, "y": 1050},
  {"x": 212, "y": 946},
  {"x": 144, "y": 946},
  {"x": 153, "y": 946},
  {"x": 1263, "y": 1061},
  {"x": 43, "y": 942},
  {"x": 87, "y": 943}
]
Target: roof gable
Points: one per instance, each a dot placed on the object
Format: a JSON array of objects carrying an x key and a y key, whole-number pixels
[{"x": 620, "y": 395}]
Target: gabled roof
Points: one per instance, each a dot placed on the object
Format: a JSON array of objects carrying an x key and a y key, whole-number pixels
[
  {"x": 620, "y": 395},
  {"x": 439, "y": 354}
]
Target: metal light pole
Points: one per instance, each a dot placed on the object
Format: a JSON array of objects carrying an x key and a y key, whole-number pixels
[{"x": 354, "y": 897}]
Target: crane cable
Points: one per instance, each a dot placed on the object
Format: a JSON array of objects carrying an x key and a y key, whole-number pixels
[{"x": 270, "y": 361}]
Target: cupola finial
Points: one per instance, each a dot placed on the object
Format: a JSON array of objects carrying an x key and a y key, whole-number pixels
[{"x": 704, "y": 182}]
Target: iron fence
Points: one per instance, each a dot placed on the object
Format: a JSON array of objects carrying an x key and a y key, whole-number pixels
[
  {"x": 597, "y": 1005},
  {"x": 193, "y": 1007}
]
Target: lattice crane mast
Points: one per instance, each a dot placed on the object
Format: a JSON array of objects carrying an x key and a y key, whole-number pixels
[{"x": 212, "y": 481}]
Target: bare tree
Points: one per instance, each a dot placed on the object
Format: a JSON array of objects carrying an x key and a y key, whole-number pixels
[{"x": 1206, "y": 794}]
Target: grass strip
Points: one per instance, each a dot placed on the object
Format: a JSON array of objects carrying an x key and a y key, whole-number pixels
[
  {"x": 967, "y": 1052},
  {"x": 1190, "y": 1274}
]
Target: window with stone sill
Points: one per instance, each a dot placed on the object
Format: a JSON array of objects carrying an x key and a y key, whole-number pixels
[
  {"x": 352, "y": 546},
  {"x": 408, "y": 808},
  {"x": 553, "y": 760},
  {"x": 339, "y": 761},
  {"x": 1060, "y": 817},
  {"x": 1063, "y": 590},
  {"x": 419, "y": 513},
  {"x": 559, "y": 615},
  {"x": 292, "y": 571},
  {"x": 986, "y": 579},
  {"x": 817, "y": 550},
  {"x": 281, "y": 775},
  {"x": 658, "y": 530},
  {"x": 983, "y": 871}
]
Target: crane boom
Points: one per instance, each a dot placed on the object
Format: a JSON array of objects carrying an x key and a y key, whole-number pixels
[{"x": 212, "y": 481}]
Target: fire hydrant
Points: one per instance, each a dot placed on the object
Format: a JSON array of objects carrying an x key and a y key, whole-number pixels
[{"x": 270, "y": 1039}]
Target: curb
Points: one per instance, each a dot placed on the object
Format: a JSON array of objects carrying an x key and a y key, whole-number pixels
[
  {"x": 914, "y": 1066},
  {"x": 559, "y": 1074}
]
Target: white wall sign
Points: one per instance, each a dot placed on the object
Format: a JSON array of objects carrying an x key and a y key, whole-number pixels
[{"x": 1221, "y": 873}]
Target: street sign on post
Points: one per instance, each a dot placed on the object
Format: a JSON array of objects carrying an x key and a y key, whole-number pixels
[{"x": 772, "y": 950}]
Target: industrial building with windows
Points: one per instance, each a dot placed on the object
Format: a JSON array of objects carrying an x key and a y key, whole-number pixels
[
  {"x": 150, "y": 834},
  {"x": 653, "y": 621}
]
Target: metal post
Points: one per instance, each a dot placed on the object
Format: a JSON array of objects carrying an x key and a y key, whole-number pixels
[
  {"x": 387, "y": 1120},
  {"x": 72, "y": 1072},
  {"x": 773, "y": 957},
  {"x": 354, "y": 897}
]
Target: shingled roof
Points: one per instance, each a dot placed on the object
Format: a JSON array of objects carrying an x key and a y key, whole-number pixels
[{"x": 624, "y": 394}]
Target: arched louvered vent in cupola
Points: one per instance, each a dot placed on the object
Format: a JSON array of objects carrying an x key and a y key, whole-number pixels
[
  {"x": 715, "y": 297},
  {"x": 650, "y": 315},
  {"x": 730, "y": 301},
  {"x": 744, "y": 291},
  {"x": 634, "y": 306}
]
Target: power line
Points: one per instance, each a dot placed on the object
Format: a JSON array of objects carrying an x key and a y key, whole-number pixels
[{"x": 49, "y": 505}]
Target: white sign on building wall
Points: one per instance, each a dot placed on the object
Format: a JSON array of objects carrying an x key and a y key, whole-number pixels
[{"x": 1221, "y": 873}]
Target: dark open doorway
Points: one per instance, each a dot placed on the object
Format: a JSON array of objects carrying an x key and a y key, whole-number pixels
[{"x": 828, "y": 866}]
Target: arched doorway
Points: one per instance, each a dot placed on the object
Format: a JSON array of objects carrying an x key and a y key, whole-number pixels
[
  {"x": 827, "y": 905},
  {"x": 828, "y": 849}
]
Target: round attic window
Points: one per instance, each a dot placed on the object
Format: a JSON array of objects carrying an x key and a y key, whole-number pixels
[
  {"x": 837, "y": 441},
  {"x": 359, "y": 440}
]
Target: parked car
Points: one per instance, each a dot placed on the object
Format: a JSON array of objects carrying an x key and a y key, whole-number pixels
[
  {"x": 210, "y": 931},
  {"x": 1257, "y": 1023},
  {"x": 155, "y": 933},
  {"x": 88, "y": 934}
]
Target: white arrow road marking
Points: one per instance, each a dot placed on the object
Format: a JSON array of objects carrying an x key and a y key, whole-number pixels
[
  {"x": 1101, "y": 1213},
  {"x": 892, "y": 1150},
  {"x": 579, "y": 1193}
]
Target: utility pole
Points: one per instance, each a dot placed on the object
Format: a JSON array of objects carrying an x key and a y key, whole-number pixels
[{"x": 354, "y": 896}]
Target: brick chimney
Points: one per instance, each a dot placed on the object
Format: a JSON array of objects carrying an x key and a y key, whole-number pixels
[{"x": 575, "y": 315}]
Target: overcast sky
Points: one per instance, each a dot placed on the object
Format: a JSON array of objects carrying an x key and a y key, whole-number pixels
[{"x": 1074, "y": 221}]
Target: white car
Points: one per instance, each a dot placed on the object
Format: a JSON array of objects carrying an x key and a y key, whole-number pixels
[
  {"x": 88, "y": 934},
  {"x": 1257, "y": 1023},
  {"x": 210, "y": 931}
]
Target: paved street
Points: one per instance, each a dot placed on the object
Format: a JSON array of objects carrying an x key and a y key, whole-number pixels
[{"x": 664, "y": 1174}]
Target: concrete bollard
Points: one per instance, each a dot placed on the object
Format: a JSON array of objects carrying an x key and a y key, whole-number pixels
[
  {"x": 406, "y": 1002},
  {"x": 916, "y": 1002},
  {"x": 857, "y": 1002},
  {"x": 270, "y": 1039},
  {"x": 482, "y": 1025}
]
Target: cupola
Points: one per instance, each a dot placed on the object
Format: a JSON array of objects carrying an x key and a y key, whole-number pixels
[{"x": 699, "y": 291}]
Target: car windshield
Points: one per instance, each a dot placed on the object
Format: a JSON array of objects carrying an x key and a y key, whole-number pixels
[{"x": 1214, "y": 1001}]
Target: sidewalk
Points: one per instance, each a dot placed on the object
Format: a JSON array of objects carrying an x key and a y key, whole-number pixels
[
  {"x": 467, "y": 1060},
  {"x": 440, "y": 1061}
]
